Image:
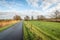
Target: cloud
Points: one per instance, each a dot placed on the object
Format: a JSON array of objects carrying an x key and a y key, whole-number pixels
[
  {"x": 5, "y": 4},
  {"x": 45, "y": 4},
  {"x": 57, "y": 7},
  {"x": 10, "y": 4},
  {"x": 33, "y": 3},
  {"x": 51, "y": 1}
]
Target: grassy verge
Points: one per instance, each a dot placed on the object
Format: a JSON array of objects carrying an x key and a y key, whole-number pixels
[
  {"x": 6, "y": 27},
  {"x": 28, "y": 35}
]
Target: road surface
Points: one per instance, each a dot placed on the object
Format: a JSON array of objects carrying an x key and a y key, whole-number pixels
[{"x": 13, "y": 33}]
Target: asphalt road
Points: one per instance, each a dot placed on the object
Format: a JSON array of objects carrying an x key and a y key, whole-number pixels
[{"x": 13, "y": 33}]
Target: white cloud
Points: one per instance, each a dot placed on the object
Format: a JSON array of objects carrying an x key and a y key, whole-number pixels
[
  {"x": 10, "y": 5},
  {"x": 45, "y": 4},
  {"x": 51, "y": 1},
  {"x": 57, "y": 7},
  {"x": 4, "y": 3},
  {"x": 33, "y": 3}
]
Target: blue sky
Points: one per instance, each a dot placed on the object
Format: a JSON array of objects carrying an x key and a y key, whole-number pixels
[{"x": 27, "y": 7}]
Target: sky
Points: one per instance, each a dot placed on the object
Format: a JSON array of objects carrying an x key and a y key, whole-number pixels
[{"x": 9, "y": 8}]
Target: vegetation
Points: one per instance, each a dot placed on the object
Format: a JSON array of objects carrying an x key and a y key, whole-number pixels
[
  {"x": 27, "y": 18},
  {"x": 6, "y": 24},
  {"x": 17, "y": 17},
  {"x": 42, "y": 30}
]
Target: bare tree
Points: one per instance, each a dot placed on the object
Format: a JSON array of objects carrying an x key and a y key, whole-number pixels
[
  {"x": 40, "y": 17},
  {"x": 26, "y": 18},
  {"x": 17, "y": 17},
  {"x": 56, "y": 15}
]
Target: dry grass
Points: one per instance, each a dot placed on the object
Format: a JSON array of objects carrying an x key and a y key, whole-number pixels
[{"x": 6, "y": 23}]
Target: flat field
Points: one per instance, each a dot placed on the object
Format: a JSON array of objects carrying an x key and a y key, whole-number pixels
[{"x": 41, "y": 30}]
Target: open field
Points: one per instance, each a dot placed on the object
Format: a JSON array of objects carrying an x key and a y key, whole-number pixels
[
  {"x": 6, "y": 24},
  {"x": 39, "y": 30}
]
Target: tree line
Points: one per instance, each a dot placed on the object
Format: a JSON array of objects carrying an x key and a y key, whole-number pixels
[{"x": 53, "y": 17}]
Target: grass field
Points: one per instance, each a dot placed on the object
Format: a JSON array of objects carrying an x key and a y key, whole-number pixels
[
  {"x": 6, "y": 24},
  {"x": 40, "y": 30}
]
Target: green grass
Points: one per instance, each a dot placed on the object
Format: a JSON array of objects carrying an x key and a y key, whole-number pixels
[
  {"x": 28, "y": 35},
  {"x": 33, "y": 34},
  {"x": 5, "y": 27},
  {"x": 50, "y": 29}
]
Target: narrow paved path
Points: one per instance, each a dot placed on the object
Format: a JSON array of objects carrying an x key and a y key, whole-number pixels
[{"x": 13, "y": 33}]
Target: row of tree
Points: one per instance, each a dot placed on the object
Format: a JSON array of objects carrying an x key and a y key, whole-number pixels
[
  {"x": 55, "y": 16},
  {"x": 39, "y": 17}
]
